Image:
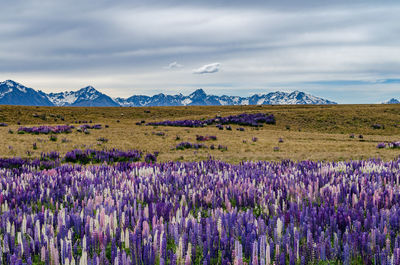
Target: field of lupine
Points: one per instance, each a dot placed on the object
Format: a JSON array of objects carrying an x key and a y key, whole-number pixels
[
  {"x": 165, "y": 187},
  {"x": 208, "y": 212}
]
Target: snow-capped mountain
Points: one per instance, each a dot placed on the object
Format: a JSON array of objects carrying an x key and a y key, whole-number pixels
[
  {"x": 86, "y": 97},
  {"x": 12, "y": 93},
  {"x": 199, "y": 97},
  {"x": 392, "y": 101}
]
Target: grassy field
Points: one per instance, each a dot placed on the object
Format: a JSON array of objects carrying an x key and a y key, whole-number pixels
[{"x": 308, "y": 132}]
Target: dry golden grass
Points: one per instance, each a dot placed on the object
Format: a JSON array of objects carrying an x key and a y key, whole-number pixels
[{"x": 316, "y": 132}]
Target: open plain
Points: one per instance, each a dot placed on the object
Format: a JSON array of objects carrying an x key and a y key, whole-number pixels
[{"x": 323, "y": 133}]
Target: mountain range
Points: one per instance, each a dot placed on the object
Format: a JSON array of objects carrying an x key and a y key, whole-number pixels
[{"x": 13, "y": 93}]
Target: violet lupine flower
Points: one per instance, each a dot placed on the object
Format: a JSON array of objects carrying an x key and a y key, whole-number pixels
[{"x": 381, "y": 145}]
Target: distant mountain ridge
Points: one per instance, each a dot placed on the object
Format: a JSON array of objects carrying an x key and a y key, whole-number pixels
[
  {"x": 199, "y": 97},
  {"x": 13, "y": 93},
  {"x": 392, "y": 101}
]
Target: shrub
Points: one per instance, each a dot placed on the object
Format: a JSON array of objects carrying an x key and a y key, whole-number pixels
[
  {"x": 378, "y": 126},
  {"x": 206, "y": 138},
  {"x": 151, "y": 158},
  {"x": 188, "y": 145},
  {"x": 102, "y": 139}
]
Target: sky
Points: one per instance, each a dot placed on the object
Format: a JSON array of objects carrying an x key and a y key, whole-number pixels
[{"x": 345, "y": 51}]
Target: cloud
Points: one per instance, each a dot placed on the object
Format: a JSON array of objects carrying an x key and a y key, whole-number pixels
[
  {"x": 123, "y": 46},
  {"x": 207, "y": 69},
  {"x": 174, "y": 65}
]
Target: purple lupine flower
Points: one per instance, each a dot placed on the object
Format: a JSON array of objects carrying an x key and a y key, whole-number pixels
[{"x": 381, "y": 145}]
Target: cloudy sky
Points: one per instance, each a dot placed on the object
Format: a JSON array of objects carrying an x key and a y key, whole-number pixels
[{"x": 349, "y": 53}]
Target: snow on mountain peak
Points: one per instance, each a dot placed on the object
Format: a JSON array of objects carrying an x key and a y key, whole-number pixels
[
  {"x": 89, "y": 96},
  {"x": 12, "y": 84}
]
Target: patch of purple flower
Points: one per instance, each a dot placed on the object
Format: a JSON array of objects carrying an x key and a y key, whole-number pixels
[
  {"x": 26, "y": 164},
  {"x": 98, "y": 156},
  {"x": 51, "y": 156},
  {"x": 88, "y": 126},
  {"x": 245, "y": 119},
  {"x": 2, "y": 124},
  {"x": 47, "y": 129},
  {"x": 391, "y": 145},
  {"x": 381, "y": 145},
  {"x": 219, "y": 126}
]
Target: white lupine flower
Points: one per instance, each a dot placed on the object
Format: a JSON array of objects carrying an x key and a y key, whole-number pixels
[
  {"x": 123, "y": 218},
  {"x": 23, "y": 225},
  {"x": 279, "y": 226},
  {"x": 126, "y": 238},
  {"x": 83, "y": 260},
  {"x": 84, "y": 243},
  {"x": 179, "y": 251},
  {"x": 8, "y": 227},
  {"x": 43, "y": 254},
  {"x": 267, "y": 255},
  {"x": 188, "y": 254},
  {"x": 122, "y": 235},
  {"x": 19, "y": 240}
]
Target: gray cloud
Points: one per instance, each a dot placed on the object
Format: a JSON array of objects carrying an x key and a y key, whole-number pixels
[
  {"x": 207, "y": 69},
  {"x": 174, "y": 65},
  {"x": 119, "y": 47}
]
